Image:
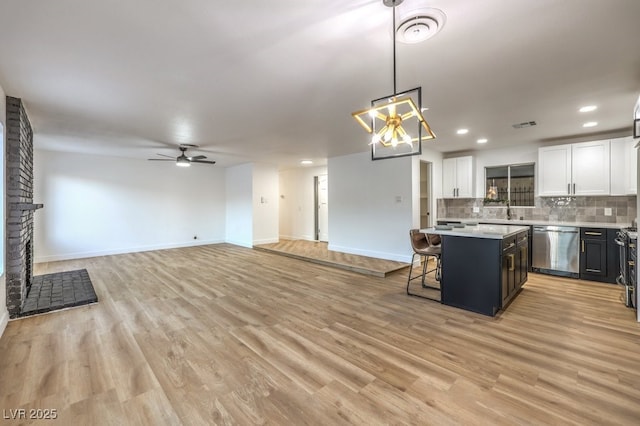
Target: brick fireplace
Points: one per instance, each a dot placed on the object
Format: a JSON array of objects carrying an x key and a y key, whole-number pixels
[{"x": 20, "y": 206}]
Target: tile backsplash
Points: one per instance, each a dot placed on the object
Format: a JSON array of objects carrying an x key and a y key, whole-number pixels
[{"x": 562, "y": 209}]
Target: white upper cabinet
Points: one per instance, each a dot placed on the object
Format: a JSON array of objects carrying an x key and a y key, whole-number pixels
[
  {"x": 590, "y": 168},
  {"x": 631, "y": 176},
  {"x": 457, "y": 177},
  {"x": 554, "y": 170},
  {"x": 574, "y": 169},
  {"x": 624, "y": 167}
]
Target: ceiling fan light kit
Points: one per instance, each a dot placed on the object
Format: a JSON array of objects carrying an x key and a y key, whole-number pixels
[
  {"x": 395, "y": 122},
  {"x": 182, "y": 160}
]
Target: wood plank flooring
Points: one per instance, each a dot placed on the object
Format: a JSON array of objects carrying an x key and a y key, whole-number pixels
[
  {"x": 318, "y": 252},
  {"x": 228, "y": 335}
]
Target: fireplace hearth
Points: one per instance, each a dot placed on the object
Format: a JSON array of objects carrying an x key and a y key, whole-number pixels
[{"x": 60, "y": 290}]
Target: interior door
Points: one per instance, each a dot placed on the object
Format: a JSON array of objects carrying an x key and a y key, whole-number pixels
[{"x": 322, "y": 231}]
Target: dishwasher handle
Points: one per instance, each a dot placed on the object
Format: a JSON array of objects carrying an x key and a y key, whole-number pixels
[{"x": 559, "y": 231}]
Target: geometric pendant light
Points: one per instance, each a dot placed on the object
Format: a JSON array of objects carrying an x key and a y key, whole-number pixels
[{"x": 395, "y": 122}]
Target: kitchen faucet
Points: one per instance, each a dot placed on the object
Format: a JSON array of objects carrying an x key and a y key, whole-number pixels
[{"x": 508, "y": 210}]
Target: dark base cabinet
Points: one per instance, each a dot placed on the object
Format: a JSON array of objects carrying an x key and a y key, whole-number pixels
[
  {"x": 599, "y": 255},
  {"x": 483, "y": 275}
]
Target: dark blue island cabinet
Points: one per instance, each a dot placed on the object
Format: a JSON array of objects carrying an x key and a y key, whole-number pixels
[{"x": 483, "y": 266}]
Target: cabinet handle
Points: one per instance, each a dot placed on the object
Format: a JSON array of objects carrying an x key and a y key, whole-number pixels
[
  {"x": 574, "y": 189},
  {"x": 583, "y": 246},
  {"x": 454, "y": 192},
  {"x": 598, "y": 234},
  {"x": 569, "y": 188},
  {"x": 593, "y": 270},
  {"x": 512, "y": 262}
]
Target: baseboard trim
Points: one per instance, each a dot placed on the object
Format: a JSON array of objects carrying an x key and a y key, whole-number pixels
[
  {"x": 299, "y": 237},
  {"x": 84, "y": 255},
  {"x": 370, "y": 253}
]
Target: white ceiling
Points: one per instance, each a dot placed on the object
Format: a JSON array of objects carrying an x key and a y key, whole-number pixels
[{"x": 277, "y": 81}]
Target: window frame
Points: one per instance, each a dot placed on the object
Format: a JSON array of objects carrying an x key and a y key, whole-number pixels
[{"x": 509, "y": 166}]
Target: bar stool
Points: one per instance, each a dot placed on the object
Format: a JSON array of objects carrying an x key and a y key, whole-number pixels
[{"x": 424, "y": 246}]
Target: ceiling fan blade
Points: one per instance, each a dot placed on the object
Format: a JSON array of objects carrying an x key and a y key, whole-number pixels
[
  {"x": 197, "y": 157},
  {"x": 168, "y": 156},
  {"x": 161, "y": 159},
  {"x": 203, "y": 161}
]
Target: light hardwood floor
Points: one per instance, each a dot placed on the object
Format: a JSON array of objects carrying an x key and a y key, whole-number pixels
[{"x": 228, "y": 335}]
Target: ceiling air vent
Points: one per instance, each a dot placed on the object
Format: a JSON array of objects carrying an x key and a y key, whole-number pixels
[{"x": 525, "y": 124}]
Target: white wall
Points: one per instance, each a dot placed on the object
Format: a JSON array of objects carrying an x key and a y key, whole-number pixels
[
  {"x": 98, "y": 205},
  {"x": 297, "y": 204},
  {"x": 4, "y": 313},
  {"x": 239, "y": 205},
  {"x": 265, "y": 201},
  {"x": 364, "y": 216}
]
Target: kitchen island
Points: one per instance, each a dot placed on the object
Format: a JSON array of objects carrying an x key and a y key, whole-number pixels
[{"x": 483, "y": 266}]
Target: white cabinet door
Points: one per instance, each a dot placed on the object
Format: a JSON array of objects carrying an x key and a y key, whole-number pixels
[
  {"x": 554, "y": 171},
  {"x": 619, "y": 166},
  {"x": 623, "y": 166},
  {"x": 632, "y": 166},
  {"x": 590, "y": 168},
  {"x": 449, "y": 178},
  {"x": 457, "y": 177},
  {"x": 464, "y": 177}
]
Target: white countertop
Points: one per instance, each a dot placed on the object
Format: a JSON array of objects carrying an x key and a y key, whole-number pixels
[
  {"x": 538, "y": 222},
  {"x": 496, "y": 232}
]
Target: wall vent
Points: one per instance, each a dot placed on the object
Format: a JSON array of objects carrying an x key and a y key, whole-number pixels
[{"x": 525, "y": 124}]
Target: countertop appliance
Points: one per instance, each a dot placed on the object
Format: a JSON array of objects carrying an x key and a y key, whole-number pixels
[
  {"x": 556, "y": 250},
  {"x": 627, "y": 240}
]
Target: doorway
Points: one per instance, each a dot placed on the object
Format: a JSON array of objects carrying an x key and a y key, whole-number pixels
[
  {"x": 321, "y": 197},
  {"x": 425, "y": 194}
]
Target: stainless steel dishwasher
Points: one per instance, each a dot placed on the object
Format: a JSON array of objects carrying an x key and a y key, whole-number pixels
[{"x": 556, "y": 250}]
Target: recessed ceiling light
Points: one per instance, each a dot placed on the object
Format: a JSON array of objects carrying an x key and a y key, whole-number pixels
[
  {"x": 462, "y": 131},
  {"x": 590, "y": 124},
  {"x": 306, "y": 162},
  {"x": 482, "y": 140},
  {"x": 588, "y": 108}
]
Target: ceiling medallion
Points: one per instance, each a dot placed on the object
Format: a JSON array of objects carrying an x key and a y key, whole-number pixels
[{"x": 420, "y": 24}]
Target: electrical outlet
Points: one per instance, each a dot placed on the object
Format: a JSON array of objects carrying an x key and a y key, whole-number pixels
[
  {"x": 607, "y": 211},
  {"x": 476, "y": 209},
  {"x": 398, "y": 198}
]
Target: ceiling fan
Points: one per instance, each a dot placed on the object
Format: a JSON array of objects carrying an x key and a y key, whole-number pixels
[{"x": 182, "y": 160}]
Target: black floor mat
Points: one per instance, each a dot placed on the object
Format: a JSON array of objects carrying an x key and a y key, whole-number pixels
[{"x": 58, "y": 291}]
